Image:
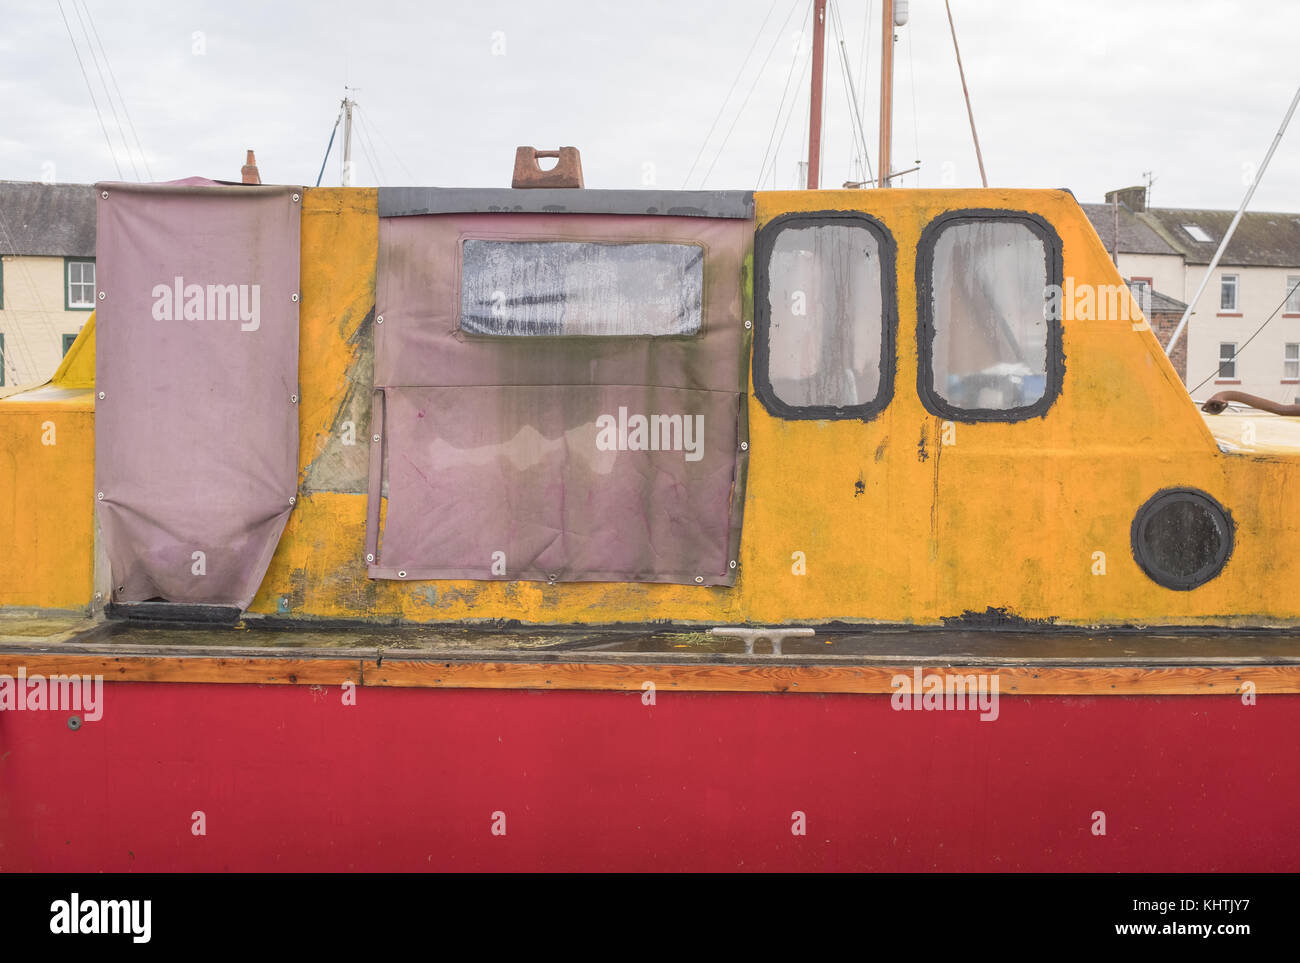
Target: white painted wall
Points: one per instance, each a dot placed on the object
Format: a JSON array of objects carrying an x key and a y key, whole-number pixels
[
  {"x": 1165, "y": 270},
  {"x": 1259, "y": 363},
  {"x": 33, "y": 318}
]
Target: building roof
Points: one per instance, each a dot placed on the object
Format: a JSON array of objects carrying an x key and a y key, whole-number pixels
[
  {"x": 1135, "y": 235},
  {"x": 1164, "y": 304},
  {"x": 47, "y": 219},
  {"x": 1262, "y": 239}
]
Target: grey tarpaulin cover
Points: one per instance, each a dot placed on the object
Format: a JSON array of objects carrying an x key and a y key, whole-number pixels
[
  {"x": 196, "y": 429},
  {"x": 549, "y": 407}
]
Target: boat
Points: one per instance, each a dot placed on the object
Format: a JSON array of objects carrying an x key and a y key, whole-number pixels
[{"x": 554, "y": 527}]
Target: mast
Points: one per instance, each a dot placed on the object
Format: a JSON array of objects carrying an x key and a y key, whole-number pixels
[
  {"x": 348, "y": 104},
  {"x": 815, "y": 107},
  {"x": 886, "y": 89}
]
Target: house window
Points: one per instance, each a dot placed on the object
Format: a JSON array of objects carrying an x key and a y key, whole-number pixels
[
  {"x": 990, "y": 347},
  {"x": 1197, "y": 233},
  {"x": 581, "y": 288},
  {"x": 1227, "y": 360},
  {"x": 68, "y": 341},
  {"x": 1293, "y": 294},
  {"x": 80, "y": 284},
  {"x": 1141, "y": 289},
  {"x": 1228, "y": 292},
  {"x": 824, "y": 345},
  {"x": 1291, "y": 362}
]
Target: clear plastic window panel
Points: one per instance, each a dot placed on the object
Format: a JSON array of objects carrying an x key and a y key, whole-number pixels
[
  {"x": 571, "y": 288},
  {"x": 990, "y": 316},
  {"x": 824, "y": 297}
]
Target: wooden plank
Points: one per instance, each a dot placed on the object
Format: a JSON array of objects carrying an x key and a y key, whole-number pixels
[
  {"x": 144, "y": 668},
  {"x": 625, "y": 677},
  {"x": 1012, "y": 680}
]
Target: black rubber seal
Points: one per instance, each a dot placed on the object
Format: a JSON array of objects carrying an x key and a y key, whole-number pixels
[
  {"x": 763, "y": 248},
  {"x": 925, "y": 331}
]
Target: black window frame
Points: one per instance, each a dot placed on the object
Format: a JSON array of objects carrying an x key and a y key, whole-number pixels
[
  {"x": 764, "y": 245},
  {"x": 925, "y": 328}
]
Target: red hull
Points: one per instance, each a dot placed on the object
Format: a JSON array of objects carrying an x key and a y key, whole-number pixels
[{"x": 289, "y": 778}]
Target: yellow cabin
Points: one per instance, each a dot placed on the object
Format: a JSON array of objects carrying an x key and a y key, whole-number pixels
[{"x": 917, "y": 407}]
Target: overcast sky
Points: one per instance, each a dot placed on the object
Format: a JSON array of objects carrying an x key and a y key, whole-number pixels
[{"x": 1067, "y": 93}]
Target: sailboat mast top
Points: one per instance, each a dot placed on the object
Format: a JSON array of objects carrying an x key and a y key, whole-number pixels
[
  {"x": 886, "y": 88},
  {"x": 815, "y": 100}
]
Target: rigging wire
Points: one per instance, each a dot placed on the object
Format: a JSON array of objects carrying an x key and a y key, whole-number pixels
[
  {"x": 144, "y": 160},
  {"x": 803, "y": 134},
  {"x": 108, "y": 94},
  {"x": 723, "y": 146},
  {"x": 372, "y": 154},
  {"x": 916, "y": 129},
  {"x": 1237, "y": 354},
  {"x": 847, "y": 73},
  {"x": 371, "y": 125},
  {"x": 784, "y": 92},
  {"x": 966, "y": 94},
  {"x": 771, "y": 168},
  {"x": 805, "y": 72},
  {"x": 854, "y": 158},
  {"x": 866, "y": 59},
  {"x": 725, "y": 100},
  {"x": 329, "y": 147},
  {"x": 856, "y": 144},
  {"x": 112, "y": 152}
]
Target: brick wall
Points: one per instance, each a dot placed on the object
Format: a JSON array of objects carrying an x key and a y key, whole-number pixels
[{"x": 1163, "y": 324}]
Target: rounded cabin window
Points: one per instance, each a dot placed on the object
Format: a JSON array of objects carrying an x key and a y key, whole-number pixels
[
  {"x": 989, "y": 344},
  {"x": 824, "y": 303}
]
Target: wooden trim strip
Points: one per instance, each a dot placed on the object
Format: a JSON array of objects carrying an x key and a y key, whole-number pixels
[{"x": 620, "y": 677}]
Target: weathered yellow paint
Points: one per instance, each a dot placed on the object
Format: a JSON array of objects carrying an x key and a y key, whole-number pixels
[
  {"x": 47, "y": 451},
  {"x": 1010, "y": 516},
  {"x": 77, "y": 370}
]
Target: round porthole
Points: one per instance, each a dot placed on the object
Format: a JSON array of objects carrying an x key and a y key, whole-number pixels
[{"x": 1182, "y": 538}]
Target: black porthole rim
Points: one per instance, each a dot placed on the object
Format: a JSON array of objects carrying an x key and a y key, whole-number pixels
[
  {"x": 925, "y": 331},
  {"x": 763, "y": 246},
  {"x": 1206, "y": 574}
]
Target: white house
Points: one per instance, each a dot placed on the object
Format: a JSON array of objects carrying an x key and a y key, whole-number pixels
[
  {"x": 1244, "y": 332},
  {"x": 47, "y": 275}
]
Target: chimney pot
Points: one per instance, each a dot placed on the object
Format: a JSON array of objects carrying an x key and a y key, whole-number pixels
[
  {"x": 249, "y": 170},
  {"x": 1134, "y": 198}
]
